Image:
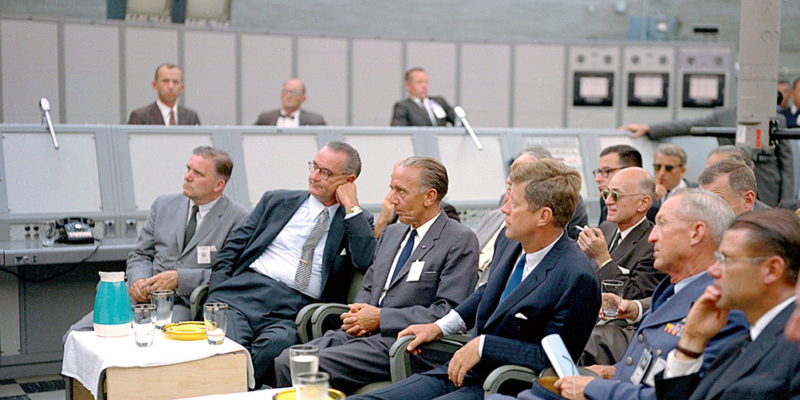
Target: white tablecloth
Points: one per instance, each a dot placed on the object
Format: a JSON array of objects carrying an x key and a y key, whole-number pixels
[
  {"x": 265, "y": 394},
  {"x": 86, "y": 355}
]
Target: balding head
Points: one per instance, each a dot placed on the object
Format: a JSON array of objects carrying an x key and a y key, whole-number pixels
[{"x": 628, "y": 197}]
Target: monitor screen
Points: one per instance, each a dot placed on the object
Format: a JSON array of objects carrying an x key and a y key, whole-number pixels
[
  {"x": 648, "y": 89},
  {"x": 593, "y": 89},
  {"x": 703, "y": 90}
]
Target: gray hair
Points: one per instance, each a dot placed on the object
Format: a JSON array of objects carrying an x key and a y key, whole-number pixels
[
  {"x": 433, "y": 174},
  {"x": 737, "y": 152},
  {"x": 223, "y": 165},
  {"x": 672, "y": 150},
  {"x": 700, "y": 205},
  {"x": 353, "y": 164}
]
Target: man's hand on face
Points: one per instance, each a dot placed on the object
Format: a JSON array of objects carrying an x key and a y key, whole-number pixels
[{"x": 346, "y": 195}]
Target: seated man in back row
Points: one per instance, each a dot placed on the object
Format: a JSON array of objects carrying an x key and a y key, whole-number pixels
[
  {"x": 540, "y": 283},
  {"x": 423, "y": 268},
  {"x": 182, "y": 235},
  {"x": 296, "y": 247}
]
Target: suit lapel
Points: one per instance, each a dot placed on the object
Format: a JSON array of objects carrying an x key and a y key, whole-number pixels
[
  {"x": 631, "y": 240},
  {"x": 332, "y": 242},
  {"x": 424, "y": 246},
  {"x": 420, "y": 112},
  {"x": 181, "y": 211},
  {"x": 155, "y": 115},
  {"x": 677, "y": 306}
]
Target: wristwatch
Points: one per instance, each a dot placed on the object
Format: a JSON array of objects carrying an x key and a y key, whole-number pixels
[{"x": 354, "y": 209}]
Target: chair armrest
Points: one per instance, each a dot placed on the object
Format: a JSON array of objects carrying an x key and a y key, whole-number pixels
[
  {"x": 400, "y": 362},
  {"x": 501, "y": 375},
  {"x": 303, "y": 321},
  {"x": 321, "y": 313},
  {"x": 196, "y": 300}
]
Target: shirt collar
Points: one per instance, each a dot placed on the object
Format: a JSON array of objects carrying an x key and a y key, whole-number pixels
[
  {"x": 315, "y": 207},
  {"x": 165, "y": 108},
  {"x": 625, "y": 233},
  {"x": 682, "y": 284},
  {"x": 205, "y": 208},
  {"x": 768, "y": 316},
  {"x": 423, "y": 229},
  {"x": 533, "y": 259}
]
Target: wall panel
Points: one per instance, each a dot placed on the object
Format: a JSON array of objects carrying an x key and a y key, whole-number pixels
[
  {"x": 210, "y": 61},
  {"x": 145, "y": 50},
  {"x": 539, "y": 87},
  {"x": 322, "y": 65},
  {"x": 91, "y": 66},
  {"x": 485, "y": 84},
  {"x": 376, "y": 66},
  {"x": 266, "y": 64}
]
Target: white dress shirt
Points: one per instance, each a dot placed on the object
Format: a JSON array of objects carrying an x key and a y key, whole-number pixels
[
  {"x": 165, "y": 109},
  {"x": 421, "y": 231},
  {"x": 293, "y": 121}
]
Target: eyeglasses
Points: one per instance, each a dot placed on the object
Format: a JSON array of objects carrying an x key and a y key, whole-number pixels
[
  {"x": 605, "y": 194},
  {"x": 605, "y": 171},
  {"x": 291, "y": 92},
  {"x": 323, "y": 172},
  {"x": 722, "y": 259},
  {"x": 669, "y": 168}
]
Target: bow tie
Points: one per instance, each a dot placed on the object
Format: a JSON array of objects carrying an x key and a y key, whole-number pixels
[{"x": 287, "y": 115}]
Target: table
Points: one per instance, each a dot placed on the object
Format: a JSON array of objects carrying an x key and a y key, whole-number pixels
[
  {"x": 265, "y": 394},
  {"x": 168, "y": 369}
]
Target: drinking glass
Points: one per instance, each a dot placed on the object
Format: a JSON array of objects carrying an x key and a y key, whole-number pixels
[
  {"x": 144, "y": 317},
  {"x": 215, "y": 316}
]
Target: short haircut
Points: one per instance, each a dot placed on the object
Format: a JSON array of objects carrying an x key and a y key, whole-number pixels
[
  {"x": 353, "y": 163},
  {"x": 737, "y": 152},
  {"x": 741, "y": 178},
  {"x": 701, "y": 205},
  {"x": 628, "y": 155},
  {"x": 223, "y": 165},
  {"x": 433, "y": 174},
  {"x": 411, "y": 71},
  {"x": 168, "y": 66},
  {"x": 773, "y": 231},
  {"x": 536, "y": 151},
  {"x": 549, "y": 183},
  {"x": 672, "y": 150}
]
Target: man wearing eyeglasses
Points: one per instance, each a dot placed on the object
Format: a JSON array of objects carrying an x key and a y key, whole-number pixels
[
  {"x": 613, "y": 159},
  {"x": 293, "y": 95},
  {"x": 621, "y": 250},
  {"x": 296, "y": 247},
  {"x": 669, "y": 166},
  {"x": 688, "y": 230},
  {"x": 755, "y": 272}
]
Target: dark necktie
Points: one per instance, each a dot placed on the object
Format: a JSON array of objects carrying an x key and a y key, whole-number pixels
[
  {"x": 515, "y": 279},
  {"x": 191, "y": 226},
  {"x": 404, "y": 254},
  {"x": 171, "y": 117},
  {"x": 615, "y": 241},
  {"x": 668, "y": 292},
  {"x": 303, "y": 273},
  {"x": 284, "y": 115}
]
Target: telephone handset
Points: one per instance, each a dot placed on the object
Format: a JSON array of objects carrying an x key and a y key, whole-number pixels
[{"x": 74, "y": 230}]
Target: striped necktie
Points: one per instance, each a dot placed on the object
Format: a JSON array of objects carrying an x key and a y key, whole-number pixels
[{"x": 303, "y": 273}]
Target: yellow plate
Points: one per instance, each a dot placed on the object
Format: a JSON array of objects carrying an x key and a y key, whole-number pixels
[
  {"x": 187, "y": 330},
  {"x": 289, "y": 394}
]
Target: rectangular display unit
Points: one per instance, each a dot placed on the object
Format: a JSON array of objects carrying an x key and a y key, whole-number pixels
[
  {"x": 593, "y": 89},
  {"x": 648, "y": 89},
  {"x": 703, "y": 90}
]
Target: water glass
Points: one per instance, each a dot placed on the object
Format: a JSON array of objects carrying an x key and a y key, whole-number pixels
[
  {"x": 611, "y": 303},
  {"x": 312, "y": 386},
  {"x": 215, "y": 316},
  {"x": 144, "y": 324},
  {"x": 163, "y": 299},
  {"x": 303, "y": 358}
]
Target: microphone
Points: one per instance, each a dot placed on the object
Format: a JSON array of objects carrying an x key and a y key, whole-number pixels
[
  {"x": 44, "y": 105},
  {"x": 462, "y": 116}
]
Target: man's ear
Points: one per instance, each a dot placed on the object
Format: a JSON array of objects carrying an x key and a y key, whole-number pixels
[
  {"x": 430, "y": 197},
  {"x": 351, "y": 178}
]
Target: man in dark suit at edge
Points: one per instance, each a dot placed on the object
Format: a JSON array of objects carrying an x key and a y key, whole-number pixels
[
  {"x": 423, "y": 267},
  {"x": 419, "y": 109},
  {"x": 296, "y": 247},
  {"x": 168, "y": 83},
  {"x": 552, "y": 289}
]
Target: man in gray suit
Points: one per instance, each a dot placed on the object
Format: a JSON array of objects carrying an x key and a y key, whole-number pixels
[
  {"x": 419, "y": 109},
  {"x": 168, "y": 255},
  {"x": 293, "y": 95},
  {"x": 774, "y": 173},
  {"x": 423, "y": 267},
  {"x": 168, "y": 83}
]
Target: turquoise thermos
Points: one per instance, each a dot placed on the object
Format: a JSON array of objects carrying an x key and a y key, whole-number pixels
[{"x": 112, "y": 306}]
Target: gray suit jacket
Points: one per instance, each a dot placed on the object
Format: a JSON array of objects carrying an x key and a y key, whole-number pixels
[
  {"x": 306, "y": 118},
  {"x": 160, "y": 245},
  {"x": 408, "y": 113},
  {"x": 450, "y": 253},
  {"x": 774, "y": 175},
  {"x": 635, "y": 254},
  {"x": 151, "y": 115}
]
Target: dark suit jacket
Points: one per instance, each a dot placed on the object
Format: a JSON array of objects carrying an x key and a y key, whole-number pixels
[
  {"x": 635, "y": 254},
  {"x": 151, "y": 115},
  {"x": 774, "y": 175},
  {"x": 450, "y": 253},
  {"x": 408, "y": 113},
  {"x": 354, "y": 236},
  {"x": 561, "y": 295},
  {"x": 306, "y": 118},
  {"x": 768, "y": 368}
]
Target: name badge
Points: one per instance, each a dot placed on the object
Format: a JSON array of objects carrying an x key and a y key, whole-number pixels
[
  {"x": 641, "y": 367},
  {"x": 204, "y": 254},
  {"x": 415, "y": 271},
  {"x": 657, "y": 367}
]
